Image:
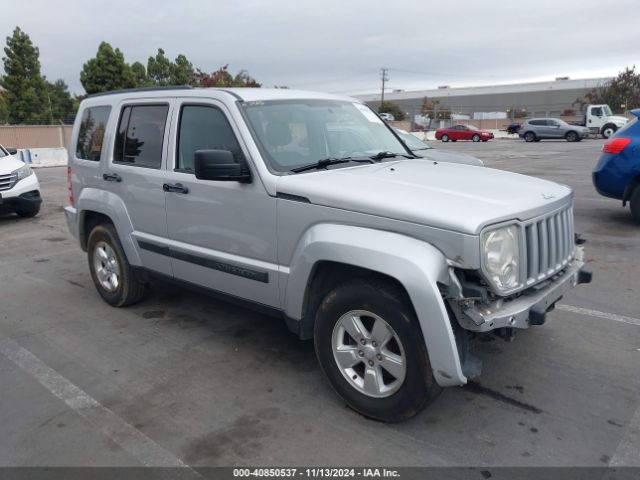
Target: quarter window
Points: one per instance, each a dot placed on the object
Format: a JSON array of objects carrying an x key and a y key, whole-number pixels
[
  {"x": 203, "y": 128},
  {"x": 140, "y": 136},
  {"x": 91, "y": 133}
]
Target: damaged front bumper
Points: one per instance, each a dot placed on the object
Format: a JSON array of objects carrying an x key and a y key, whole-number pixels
[{"x": 526, "y": 309}]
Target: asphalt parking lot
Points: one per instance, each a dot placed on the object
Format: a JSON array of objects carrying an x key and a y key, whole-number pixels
[{"x": 184, "y": 379}]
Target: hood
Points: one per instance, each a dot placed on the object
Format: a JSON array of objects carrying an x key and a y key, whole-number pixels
[
  {"x": 617, "y": 119},
  {"x": 9, "y": 163},
  {"x": 444, "y": 156},
  {"x": 451, "y": 196}
]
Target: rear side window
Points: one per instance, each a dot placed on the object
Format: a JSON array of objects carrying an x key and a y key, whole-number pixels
[
  {"x": 140, "y": 136},
  {"x": 91, "y": 133},
  {"x": 537, "y": 122},
  {"x": 203, "y": 128}
]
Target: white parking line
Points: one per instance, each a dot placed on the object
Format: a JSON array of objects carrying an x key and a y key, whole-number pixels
[
  {"x": 627, "y": 452},
  {"x": 597, "y": 314},
  {"x": 132, "y": 440}
]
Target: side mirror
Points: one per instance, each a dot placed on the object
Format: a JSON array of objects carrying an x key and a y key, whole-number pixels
[
  {"x": 219, "y": 165},
  {"x": 12, "y": 151}
]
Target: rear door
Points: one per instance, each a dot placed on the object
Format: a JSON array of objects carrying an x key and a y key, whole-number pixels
[
  {"x": 455, "y": 132},
  {"x": 136, "y": 174},
  {"x": 539, "y": 127}
]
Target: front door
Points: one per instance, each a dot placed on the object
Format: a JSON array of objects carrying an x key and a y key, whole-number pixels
[{"x": 222, "y": 233}]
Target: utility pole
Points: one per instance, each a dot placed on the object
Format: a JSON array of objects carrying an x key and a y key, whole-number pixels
[{"x": 384, "y": 75}]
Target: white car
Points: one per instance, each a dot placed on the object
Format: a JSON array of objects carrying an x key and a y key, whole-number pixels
[{"x": 19, "y": 187}]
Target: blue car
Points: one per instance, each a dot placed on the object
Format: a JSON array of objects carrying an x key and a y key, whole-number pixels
[{"x": 617, "y": 174}]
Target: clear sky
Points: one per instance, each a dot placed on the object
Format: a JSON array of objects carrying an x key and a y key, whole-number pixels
[{"x": 340, "y": 45}]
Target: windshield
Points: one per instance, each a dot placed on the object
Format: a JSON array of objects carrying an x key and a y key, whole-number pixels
[
  {"x": 3, "y": 152},
  {"x": 607, "y": 110},
  {"x": 412, "y": 141},
  {"x": 294, "y": 133}
]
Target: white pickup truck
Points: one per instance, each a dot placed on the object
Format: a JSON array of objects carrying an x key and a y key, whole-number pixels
[{"x": 601, "y": 120}]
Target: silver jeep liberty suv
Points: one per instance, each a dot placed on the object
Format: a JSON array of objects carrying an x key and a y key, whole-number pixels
[{"x": 309, "y": 207}]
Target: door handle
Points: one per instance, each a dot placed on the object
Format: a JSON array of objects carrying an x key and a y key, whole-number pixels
[
  {"x": 111, "y": 177},
  {"x": 175, "y": 188}
]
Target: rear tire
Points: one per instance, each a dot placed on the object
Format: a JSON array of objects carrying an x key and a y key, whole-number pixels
[
  {"x": 111, "y": 273},
  {"x": 476, "y": 138},
  {"x": 445, "y": 138},
  {"x": 529, "y": 137},
  {"x": 635, "y": 204},
  {"x": 379, "y": 314}
]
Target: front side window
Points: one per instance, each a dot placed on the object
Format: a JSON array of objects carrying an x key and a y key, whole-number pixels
[
  {"x": 140, "y": 136},
  {"x": 293, "y": 133},
  {"x": 91, "y": 133},
  {"x": 203, "y": 128},
  {"x": 597, "y": 111}
]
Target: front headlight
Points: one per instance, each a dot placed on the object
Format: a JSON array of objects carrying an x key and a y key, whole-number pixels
[
  {"x": 500, "y": 254},
  {"x": 23, "y": 172}
]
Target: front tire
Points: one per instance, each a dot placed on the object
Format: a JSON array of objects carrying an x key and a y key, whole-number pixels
[
  {"x": 476, "y": 138},
  {"x": 608, "y": 131},
  {"x": 635, "y": 204},
  {"x": 111, "y": 273},
  {"x": 571, "y": 137},
  {"x": 445, "y": 138},
  {"x": 369, "y": 344}
]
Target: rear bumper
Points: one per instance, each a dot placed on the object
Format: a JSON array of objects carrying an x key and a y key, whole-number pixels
[
  {"x": 71, "y": 214},
  {"x": 527, "y": 309}
]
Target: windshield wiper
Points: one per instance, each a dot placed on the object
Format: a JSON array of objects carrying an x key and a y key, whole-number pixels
[
  {"x": 386, "y": 154},
  {"x": 325, "y": 162}
]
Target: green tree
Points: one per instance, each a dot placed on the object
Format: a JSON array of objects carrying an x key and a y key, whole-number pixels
[
  {"x": 159, "y": 69},
  {"x": 140, "y": 76},
  {"x": 59, "y": 101},
  {"x": 223, "y": 78},
  {"x": 621, "y": 93},
  {"x": 393, "y": 109},
  {"x": 107, "y": 71},
  {"x": 181, "y": 71},
  {"x": 163, "y": 72},
  {"x": 4, "y": 111},
  {"x": 25, "y": 90}
]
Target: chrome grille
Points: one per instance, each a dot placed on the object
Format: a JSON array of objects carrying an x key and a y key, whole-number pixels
[
  {"x": 7, "y": 181},
  {"x": 549, "y": 245}
]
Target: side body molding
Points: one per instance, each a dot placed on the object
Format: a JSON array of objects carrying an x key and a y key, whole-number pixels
[
  {"x": 417, "y": 265},
  {"x": 111, "y": 205}
]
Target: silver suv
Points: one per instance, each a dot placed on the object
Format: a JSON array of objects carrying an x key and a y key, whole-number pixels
[
  {"x": 309, "y": 207},
  {"x": 537, "y": 129}
]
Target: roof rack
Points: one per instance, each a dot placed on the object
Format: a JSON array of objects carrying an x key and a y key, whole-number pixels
[{"x": 142, "y": 89}]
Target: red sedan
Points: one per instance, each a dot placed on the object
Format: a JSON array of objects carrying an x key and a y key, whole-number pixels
[{"x": 463, "y": 132}]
